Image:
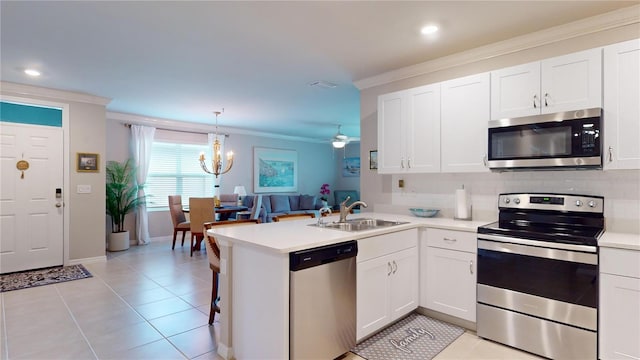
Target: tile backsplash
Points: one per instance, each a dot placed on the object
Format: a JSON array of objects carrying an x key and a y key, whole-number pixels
[{"x": 620, "y": 189}]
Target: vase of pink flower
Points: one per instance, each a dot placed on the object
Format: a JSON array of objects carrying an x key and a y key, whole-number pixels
[{"x": 324, "y": 191}]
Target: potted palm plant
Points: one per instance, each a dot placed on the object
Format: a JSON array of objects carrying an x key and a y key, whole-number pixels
[{"x": 122, "y": 199}]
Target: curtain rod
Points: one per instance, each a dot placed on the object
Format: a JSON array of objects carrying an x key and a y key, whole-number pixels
[{"x": 183, "y": 131}]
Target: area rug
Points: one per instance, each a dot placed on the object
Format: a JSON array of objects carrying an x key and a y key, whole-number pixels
[
  {"x": 416, "y": 337},
  {"x": 52, "y": 275}
]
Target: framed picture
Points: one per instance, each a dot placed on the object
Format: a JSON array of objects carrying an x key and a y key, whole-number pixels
[
  {"x": 275, "y": 170},
  {"x": 351, "y": 167},
  {"x": 87, "y": 162},
  {"x": 373, "y": 159}
]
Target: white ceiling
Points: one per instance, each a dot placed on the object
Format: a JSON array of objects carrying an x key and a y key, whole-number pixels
[{"x": 183, "y": 60}]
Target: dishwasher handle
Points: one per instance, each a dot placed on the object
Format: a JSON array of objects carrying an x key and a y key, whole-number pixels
[{"x": 304, "y": 259}]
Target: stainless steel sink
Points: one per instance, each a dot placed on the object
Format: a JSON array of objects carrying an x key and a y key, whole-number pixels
[{"x": 360, "y": 224}]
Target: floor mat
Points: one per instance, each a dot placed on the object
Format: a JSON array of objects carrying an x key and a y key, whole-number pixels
[
  {"x": 52, "y": 275},
  {"x": 416, "y": 337}
]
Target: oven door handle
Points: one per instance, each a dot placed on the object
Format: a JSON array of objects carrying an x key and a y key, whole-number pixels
[
  {"x": 546, "y": 244},
  {"x": 555, "y": 254}
]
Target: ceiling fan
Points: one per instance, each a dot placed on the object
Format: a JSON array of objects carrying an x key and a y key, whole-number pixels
[{"x": 339, "y": 140}]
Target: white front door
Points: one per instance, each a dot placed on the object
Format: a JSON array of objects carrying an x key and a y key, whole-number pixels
[{"x": 31, "y": 212}]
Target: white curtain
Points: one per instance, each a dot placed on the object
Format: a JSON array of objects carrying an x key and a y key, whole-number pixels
[
  {"x": 216, "y": 181},
  {"x": 141, "y": 142}
]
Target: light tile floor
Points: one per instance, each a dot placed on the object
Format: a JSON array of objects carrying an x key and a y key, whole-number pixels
[{"x": 148, "y": 302}]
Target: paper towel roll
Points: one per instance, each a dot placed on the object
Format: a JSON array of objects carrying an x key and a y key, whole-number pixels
[{"x": 462, "y": 208}]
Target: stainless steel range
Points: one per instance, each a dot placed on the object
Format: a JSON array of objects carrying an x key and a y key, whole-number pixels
[{"x": 538, "y": 274}]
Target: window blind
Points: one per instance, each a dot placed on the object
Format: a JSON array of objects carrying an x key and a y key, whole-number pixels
[{"x": 175, "y": 170}]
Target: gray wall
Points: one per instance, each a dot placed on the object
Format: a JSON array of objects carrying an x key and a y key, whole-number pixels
[
  {"x": 318, "y": 163},
  {"x": 621, "y": 189}
]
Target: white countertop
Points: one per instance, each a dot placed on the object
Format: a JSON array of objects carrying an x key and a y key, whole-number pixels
[
  {"x": 620, "y": 241},
  {"x": 288, "y": 236}
]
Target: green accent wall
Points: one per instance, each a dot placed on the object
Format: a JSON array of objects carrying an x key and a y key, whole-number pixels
[{"x": 29, "y": 114}]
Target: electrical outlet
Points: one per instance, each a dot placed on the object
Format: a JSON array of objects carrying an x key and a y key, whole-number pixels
[{"x": 400, "y": 183}]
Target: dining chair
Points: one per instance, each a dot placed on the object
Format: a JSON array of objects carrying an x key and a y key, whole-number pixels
[
  {"x": 213, "y": 254},
  {"x": 201, "y": 210},
  {"x": 287, "y": 217},
  {"x": 178, "y": 218}
]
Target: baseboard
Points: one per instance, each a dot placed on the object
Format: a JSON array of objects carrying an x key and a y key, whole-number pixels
[
  {"x": 469, "y": 325},
  {"x": 225, "y": 352},
  {"x": 96, "y": 259}
]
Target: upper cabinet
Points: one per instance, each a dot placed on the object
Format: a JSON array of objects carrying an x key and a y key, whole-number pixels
[
  {"x": 563, "y": 83},
  {"x": 464, "y": 118},
  {"x": 621, "y": 105},
  {"x": 409, "y": 131}
]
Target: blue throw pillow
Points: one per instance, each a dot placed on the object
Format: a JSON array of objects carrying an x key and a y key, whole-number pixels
[
  {"x": 248, "y": 201},
  {"x": 307, "y": 202},
  {"x": 280, "y": 203},
  {"x": 266, "y": 203},
  {"x": 294, "y": 202}
]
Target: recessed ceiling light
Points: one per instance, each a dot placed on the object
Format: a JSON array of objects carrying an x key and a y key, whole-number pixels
[
  {"x": 32, "y": 72},
  {"x": 429, "y": 29}
]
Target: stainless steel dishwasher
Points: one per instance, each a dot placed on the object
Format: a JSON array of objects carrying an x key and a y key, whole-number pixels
[{"x": 322, "y": 304}]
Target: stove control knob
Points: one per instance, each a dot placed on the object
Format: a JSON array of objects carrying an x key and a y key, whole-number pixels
[
  {"x": 516, "y": 200},
  {"x": 578, "y": 203},
  {"x": 592, "y": 203},
  {"x": 506, "y": 200}
]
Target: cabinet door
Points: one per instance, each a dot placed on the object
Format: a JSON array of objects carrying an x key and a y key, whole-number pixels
[
  {"x": 423, "y": 130},
  {"x": 372, "y": 309},
  {"x": 619, "y": 317},
  {"x": 403, "y": 289},
  {"x": 392, "y": 116},
  {"x": 515, "y": 91},
  {"x": 572, "y": 82},
  {"x": 464, "y": 119},
  {"x": 451, "y": 278},
  {"x": 621, "y": 105}
]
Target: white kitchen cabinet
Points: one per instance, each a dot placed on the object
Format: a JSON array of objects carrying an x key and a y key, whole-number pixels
[
  {"x": 621, "y": 105},
  {"x": 409, "y": 131},
  {"x": 619, "y": 311},
  {"x": 448, "y": 273},
  {"x": 563, "y": 83},
  {"x": 387, "y": 280},
  {"x": 464, "y": 117}
]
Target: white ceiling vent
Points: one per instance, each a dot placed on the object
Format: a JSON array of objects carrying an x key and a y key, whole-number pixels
[{"x": 323, "y": 84}]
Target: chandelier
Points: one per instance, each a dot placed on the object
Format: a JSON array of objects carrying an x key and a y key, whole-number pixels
[{"x": 216, "y": 163}]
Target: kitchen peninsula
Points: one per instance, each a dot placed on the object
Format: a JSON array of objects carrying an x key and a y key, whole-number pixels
[{"x": 254, "y": 277}]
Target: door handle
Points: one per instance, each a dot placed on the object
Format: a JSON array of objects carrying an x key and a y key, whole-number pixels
[
  {"x": 409, "y": 163},
  {"x": 535, "y": 97},
  {"x": 389, "y": 268},
  {"x": 395, "y": 267},
  {"x": 402, "y": 163},
  {"x": 546, "y": 96},
  {"x": 471, "y": 267},
  {"x": 610, "y": 154}
]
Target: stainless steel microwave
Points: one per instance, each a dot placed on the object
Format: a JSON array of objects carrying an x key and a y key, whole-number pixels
[{"x": 566, "y": 140}]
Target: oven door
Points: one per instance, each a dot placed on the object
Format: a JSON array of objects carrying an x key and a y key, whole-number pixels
[{"x": 555, "y": 284}]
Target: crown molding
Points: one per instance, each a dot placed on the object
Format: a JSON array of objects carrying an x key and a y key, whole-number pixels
[
  {"x": 29, "y": 90},
  {"x": 594, "y": 24},
  {"x": 189, "y": 126}
]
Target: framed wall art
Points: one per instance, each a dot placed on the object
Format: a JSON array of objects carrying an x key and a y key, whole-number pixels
[
  {"x": 275, "y": 170},
  {"x": 87, "y": 162},
  {"x": 351, "y": 166}
]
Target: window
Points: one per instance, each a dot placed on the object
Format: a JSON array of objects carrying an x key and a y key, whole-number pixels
[{"x": 175, "y": 169}]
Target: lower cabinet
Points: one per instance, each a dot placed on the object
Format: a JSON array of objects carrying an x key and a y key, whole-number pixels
[
  {"x": 387, "y": 280},
  {"x": 448, "y": 272},
  {"x": 619, "y": 310}
]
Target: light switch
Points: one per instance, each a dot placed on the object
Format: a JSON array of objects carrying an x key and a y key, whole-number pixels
[{"x": 84, "y": 189}]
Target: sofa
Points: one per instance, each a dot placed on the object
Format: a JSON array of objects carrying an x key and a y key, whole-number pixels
[{"x": 280, "y": 204}]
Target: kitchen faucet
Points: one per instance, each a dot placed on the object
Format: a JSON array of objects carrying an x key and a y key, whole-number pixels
[{"x": 345, "y": 210}]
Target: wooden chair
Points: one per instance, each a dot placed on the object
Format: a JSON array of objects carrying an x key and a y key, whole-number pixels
[
  {"x": 213, "y": 254},
  {"x": 201, "y": 210},
  {"x": 287, "y": 217},
  {"x": 178, "y": 218}
]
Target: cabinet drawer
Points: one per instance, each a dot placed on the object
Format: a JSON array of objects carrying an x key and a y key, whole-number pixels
[
  {"x": 381, "y": 245},
  {"x": 620, "y": 262},
  {"x": 453, "y": 240}
]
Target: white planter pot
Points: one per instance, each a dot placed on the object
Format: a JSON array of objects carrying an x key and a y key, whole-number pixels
[{"x": 118, "y": 241}]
